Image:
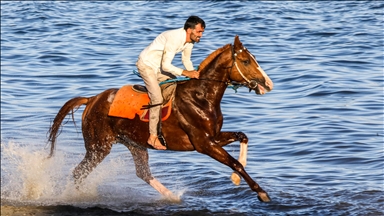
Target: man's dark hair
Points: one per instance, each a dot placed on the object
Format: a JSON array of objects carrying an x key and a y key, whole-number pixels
[{"x": 192, "y": 21}]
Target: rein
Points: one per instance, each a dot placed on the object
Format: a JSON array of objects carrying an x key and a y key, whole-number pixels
[{"x": 234, "y": 85}]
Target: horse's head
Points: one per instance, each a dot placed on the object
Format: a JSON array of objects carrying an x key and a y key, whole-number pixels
[{"x": 247, "y": 71}]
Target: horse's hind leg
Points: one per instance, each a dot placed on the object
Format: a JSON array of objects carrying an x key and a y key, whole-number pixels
[
  {"x": 140, "y": 157},
  {"x": 92, "y": 158}
]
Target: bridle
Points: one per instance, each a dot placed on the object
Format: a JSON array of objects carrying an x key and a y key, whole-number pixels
[{"x": 252, "y": 84}]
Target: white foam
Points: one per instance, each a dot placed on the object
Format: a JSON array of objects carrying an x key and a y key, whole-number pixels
[{"x": 28, "y": 176}]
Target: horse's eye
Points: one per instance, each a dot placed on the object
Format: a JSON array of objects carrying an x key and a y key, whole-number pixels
[{"x": 246, "y": 62}]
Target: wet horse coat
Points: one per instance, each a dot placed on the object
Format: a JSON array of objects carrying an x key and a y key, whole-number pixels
[{"x": 194, "y": 124}]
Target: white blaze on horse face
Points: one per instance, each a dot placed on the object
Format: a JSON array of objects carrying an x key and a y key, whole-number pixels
[{"x": 268, "y": 81}]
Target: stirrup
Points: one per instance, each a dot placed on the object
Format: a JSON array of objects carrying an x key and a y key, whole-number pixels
[{"x": 162, "y": 140}]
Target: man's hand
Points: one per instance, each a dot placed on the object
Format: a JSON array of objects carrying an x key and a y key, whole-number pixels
[{"x": 191, "y": 74}]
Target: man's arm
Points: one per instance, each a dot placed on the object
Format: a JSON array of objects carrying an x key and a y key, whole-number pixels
[
  {"x": 191, "y": 74},
  {"x": 186, "y": 57},
  {"x": 167, "y": 58}
]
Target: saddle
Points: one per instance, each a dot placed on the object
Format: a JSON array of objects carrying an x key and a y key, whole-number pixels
[{"x": 130, "y": 99}]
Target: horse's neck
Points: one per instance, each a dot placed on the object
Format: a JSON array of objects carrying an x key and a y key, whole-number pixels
[
  {"x": 211, "y": 85},
  {"x": 212, "y": 82},
  {"x": 216, "y": 74},
  {"x": 214, "y": 78}
]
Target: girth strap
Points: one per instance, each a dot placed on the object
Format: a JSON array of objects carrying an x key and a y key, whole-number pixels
[{"x": 149, "y": 106}]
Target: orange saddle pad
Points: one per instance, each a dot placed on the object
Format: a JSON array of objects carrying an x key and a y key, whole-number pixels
[{"x": 128, "y": 102}]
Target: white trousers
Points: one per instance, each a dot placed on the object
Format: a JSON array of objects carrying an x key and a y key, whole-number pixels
[{"x": 152, "y": 77}]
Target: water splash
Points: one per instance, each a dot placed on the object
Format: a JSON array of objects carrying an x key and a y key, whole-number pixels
[{"x": 29, "y": 177}]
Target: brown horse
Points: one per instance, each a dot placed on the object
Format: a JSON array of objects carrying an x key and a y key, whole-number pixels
[{"x": 194, "y": 124}]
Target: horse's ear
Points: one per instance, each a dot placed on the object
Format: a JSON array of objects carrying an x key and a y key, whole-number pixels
[{"x": 237, "y": 44}]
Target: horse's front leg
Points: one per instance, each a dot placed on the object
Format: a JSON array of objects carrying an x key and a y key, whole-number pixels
[
  {"x": 225, "y": 138},
  {"x": 215, "y": 151}
]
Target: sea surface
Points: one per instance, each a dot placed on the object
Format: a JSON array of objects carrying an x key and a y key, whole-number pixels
[{"x": 315, "y": 141}]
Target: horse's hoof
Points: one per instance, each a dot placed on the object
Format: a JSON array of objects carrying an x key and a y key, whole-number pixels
[
  {"x": 263, "y": 197},
  {"x": 173, "y": 198},
  {"x": 235, "y": 178}
]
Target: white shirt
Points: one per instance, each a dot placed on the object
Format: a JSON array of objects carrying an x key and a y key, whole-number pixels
[{"x": 169, "y": 42}]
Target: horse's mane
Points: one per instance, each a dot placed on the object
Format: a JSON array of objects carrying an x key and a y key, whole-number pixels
[{"x": 212, "y": 56}]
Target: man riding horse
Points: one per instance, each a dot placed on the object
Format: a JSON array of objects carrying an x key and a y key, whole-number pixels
[
  {"x": 193, "y": 124},
  {"x": 155, "y": 65}
]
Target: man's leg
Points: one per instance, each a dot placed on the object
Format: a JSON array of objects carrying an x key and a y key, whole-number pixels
[
  {"x": 162, "y": 76},
  {"x": 154, "y": 93}
]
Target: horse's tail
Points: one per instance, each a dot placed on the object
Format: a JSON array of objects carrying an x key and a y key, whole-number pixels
[{"x": 71, "y": 105}]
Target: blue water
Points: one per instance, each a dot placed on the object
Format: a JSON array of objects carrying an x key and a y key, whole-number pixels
[{"x": 316, "y": 140}]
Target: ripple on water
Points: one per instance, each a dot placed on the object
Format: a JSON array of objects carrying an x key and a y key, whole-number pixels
[{"x": 315, "y": 141}]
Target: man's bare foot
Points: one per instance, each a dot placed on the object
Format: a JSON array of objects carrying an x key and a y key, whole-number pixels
[{"x": 155, "y": 142}]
